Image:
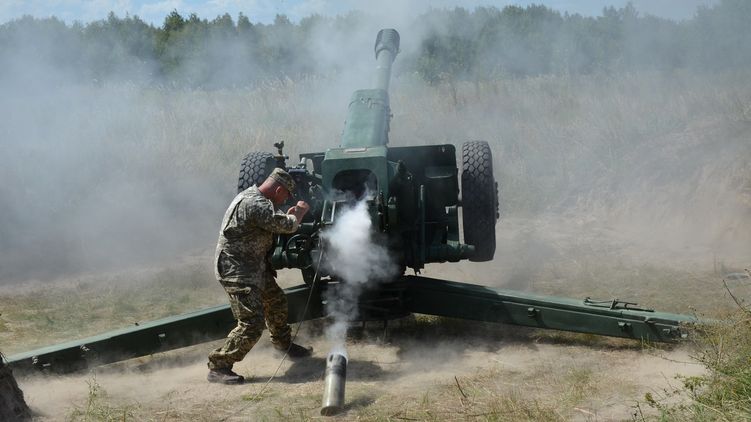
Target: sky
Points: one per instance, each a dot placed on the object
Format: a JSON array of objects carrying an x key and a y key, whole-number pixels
[{"x": 264, "y": 11}]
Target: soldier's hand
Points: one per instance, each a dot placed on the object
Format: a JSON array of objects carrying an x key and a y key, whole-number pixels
[
  {"x": 299, "y": 210},
  {"x": 303, "y": 206}
]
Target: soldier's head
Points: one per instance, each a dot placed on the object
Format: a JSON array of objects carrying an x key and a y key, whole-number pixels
[{"x": 278, "y": 187}]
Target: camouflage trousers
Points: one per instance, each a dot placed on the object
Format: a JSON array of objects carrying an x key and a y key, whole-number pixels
[{"x": 252, "y": 303}]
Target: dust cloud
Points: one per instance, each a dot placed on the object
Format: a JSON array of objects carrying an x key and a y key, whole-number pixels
[
  {"x": 126, "y": 170},
  {"x": 91, "y": 183}
]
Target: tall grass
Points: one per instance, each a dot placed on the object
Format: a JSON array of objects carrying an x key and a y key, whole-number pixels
[
  {"x": 724, "y": 393},
  {"x": 558, "y": 141},
  {"x": 587, "y": 140},
  {"x": 39, "y": 314}
]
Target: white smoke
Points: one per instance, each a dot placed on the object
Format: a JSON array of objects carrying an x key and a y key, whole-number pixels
[{"x": 358, "y": 261}]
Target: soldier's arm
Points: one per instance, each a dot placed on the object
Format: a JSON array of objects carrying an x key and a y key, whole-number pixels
[
  {"x": 276, "y": 221},
  {"x": 234, "y": 221}
]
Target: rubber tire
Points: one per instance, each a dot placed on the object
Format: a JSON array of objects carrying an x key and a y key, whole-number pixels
[
  {"x": 479, "y": 199},
  {"x": 255, "y": 168}
]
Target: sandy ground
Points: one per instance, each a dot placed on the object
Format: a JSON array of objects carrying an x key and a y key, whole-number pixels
[
  {"x": 425, "y": 371},
  {"x": 386, "y": 378}
]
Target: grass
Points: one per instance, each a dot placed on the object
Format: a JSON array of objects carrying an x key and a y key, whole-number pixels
[
  {"x": 724, "y": 393},
  {"x": 99, "y": 407},
  {"x": 556, "y": 136},
  {"x": 36, "y": 316}
]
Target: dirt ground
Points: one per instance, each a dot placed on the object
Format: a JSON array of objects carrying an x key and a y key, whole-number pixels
[
  {"x": 388, "y": 379},
  {"x": 426, "y": 368}
]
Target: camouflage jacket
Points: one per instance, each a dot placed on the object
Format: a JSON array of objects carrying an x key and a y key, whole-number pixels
[{"x": 247, "y": 236}]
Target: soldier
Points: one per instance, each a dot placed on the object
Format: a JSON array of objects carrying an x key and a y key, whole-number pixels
[{"x": 243, "y": 269}]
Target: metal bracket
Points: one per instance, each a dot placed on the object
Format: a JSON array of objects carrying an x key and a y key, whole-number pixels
[
  {"x": 615, "y": 304},
  {"x": 281, "y": 159}
]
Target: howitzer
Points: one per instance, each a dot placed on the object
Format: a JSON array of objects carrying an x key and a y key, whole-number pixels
[
  {"x": 412, "y": 192},
  {"x": 414, "y": 201}
]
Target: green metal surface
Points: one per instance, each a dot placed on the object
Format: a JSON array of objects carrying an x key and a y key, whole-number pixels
[
  {"x": 368, "y": 114},
  {"x": 367, "y": 123},
  {"x": 466, "y": 301},
  {"x": 410, "y": 294},
  {"x": 349, "y": 168}
]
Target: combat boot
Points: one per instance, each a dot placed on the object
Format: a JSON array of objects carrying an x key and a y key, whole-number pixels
[
  {"x": 224, "y": 376},
  {"x": 294, "y": 351}
]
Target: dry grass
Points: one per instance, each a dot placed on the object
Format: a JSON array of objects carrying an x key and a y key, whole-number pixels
[
  {"x": 41, "y": 315},
  {"x": 724, "y": 393},
  {"x": 100, "y": 407},
  {"x": 555, "y": 136}
]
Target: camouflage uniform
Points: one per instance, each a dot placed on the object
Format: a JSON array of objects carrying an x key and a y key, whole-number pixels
[{"x": 243, "y": 269}]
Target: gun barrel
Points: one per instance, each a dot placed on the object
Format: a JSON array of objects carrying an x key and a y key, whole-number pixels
[
  {"x": 369, "y": 114},
  {"x": 333, "y": 390},
  {"x": 386, "y": 49}
]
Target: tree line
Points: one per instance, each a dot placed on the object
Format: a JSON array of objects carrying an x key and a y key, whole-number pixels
[{"x": 456, "y": 44}]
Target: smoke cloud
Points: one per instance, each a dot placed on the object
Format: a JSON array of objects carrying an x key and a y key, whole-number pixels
[{"x": 358, "y": 261}]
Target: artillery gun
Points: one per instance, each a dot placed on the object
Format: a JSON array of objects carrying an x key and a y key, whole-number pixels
[{"x": 414, "y": 202}]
